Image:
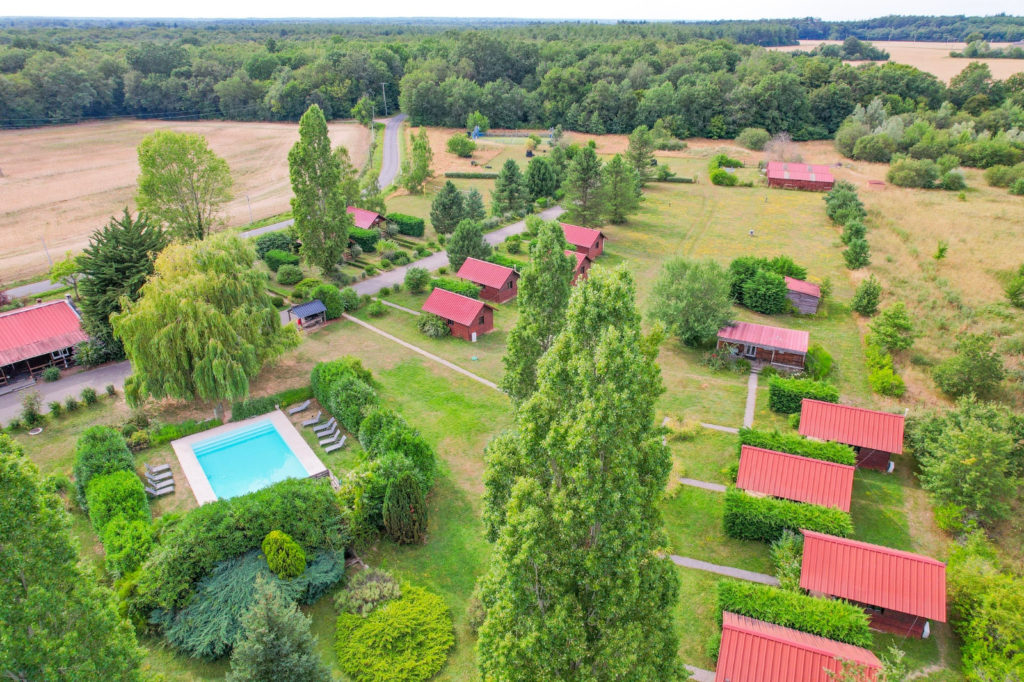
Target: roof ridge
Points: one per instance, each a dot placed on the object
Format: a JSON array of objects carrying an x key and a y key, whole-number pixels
[
  {"x": 880, "y": 549},
  {"x": 738, "y": 626},
  {"x": 854, "y": 407},
  {"x": 800, "y": 457},
  {"x": 35, "y": 306}
]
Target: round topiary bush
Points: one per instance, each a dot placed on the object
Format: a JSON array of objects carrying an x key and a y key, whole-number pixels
[
  {"x": 289, "y": 274},
  {"x": 376, "y": 309},
  {"x": 284, "y": 556}
]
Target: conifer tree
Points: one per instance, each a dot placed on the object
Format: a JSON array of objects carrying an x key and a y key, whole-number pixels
[
  {"x": 541, "y": 180},
  {"x": 467, "y": 242},
  {"x": 577, "y": 588},
  {"x": 640, "y": 153},
  {"x": 583, "y": 192},
  {"x": 447, "y": 209},
  {"x": 405, "y": 510},
  {"x": 475, "y": 206},
  {"x": 621, "y": 189},
  {"x": 510, "y": 194}
]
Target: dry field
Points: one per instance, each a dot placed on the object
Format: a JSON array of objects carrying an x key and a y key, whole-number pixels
[
  {"x": 60, "y": 183},
  {"x": 931, "y": 57}
]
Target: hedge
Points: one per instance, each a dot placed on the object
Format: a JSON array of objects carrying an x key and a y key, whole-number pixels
[
  {"x": 407, "y": 224},
  {"x": 456, "y": 285},
  {"x": 366, "y": 239},
  {"x": 257, "y": 406},
  {"x": 785, "y": 395},
  {"x": 765, "y": 518},
  {"x": 797, "y": 445},
  {"x": 501, "y": 259},
  {"x": 165, "y": 433},
  {"x": 118, "y": 494},
  {"x": 471, "y": 175},
  {"x": 687, "y": 181},
  {"x": 344, "y": 389},
  {"x": 271, "y": 241},
  {"x": 99, "y": 450},
  {"x": 831, "y": 618},
  {"x": 275, "y": 258}
]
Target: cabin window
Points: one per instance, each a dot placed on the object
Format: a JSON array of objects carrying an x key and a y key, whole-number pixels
[{"x": 481, "y": 319}]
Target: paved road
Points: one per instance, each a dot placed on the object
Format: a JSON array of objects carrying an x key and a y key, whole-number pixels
[
  {"x": 10, "y": 404},
  {"x": 391, "y": 161}
]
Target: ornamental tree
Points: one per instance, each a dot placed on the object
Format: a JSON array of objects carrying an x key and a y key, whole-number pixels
[
  {"x": 893, "y": 329},
  {"x": 541, "y": 180},
  {"x": 691, "y": 298},
  {"x": 68, "y": 272}
]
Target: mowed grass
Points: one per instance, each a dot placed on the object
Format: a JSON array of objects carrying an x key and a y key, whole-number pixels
[{"x": 696, "y": 616}]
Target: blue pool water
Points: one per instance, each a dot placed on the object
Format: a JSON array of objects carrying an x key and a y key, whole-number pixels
[{"x": 247, "y": 459}]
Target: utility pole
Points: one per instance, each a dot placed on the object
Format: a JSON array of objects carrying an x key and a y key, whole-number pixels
[
  {"x": 250, "y": 208},
  {"x": 47, "y": 251},
  {"x": 385, "y": 98}
]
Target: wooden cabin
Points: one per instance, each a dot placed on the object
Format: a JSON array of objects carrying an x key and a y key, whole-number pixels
[
  {"x": 875, "y": 436},
  {"x": 365, "y": 219},
  {"x": 804, "y": 296},
  {"x": 498, "y": 283},
  {"x": 467, "y": 317},
  {"x": 765, "y": 345},
  {"x": 581, "y": 267},
  {"x": 796, "y": 478},
  {"x": 585, "y": 240},
  {"x": 785, "y": 175},
  {"x": 39, "y": 336}
]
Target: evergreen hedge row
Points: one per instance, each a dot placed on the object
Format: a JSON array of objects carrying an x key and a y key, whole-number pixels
[
  {"x": 99, "y": 450},
  {"x": 785, "y": 395},
  {"x": 832, "y": 618},
  {"x": 407, "y": 224},
  {"x": 687, "y": 181},
  {"x": 345, "y": 390},
  {"x": 471, "y": 175},
  {"x": 275, "y": 258},
  {"x": 765, "y": 518},
  {"x": 366, "y": 239},
  {"x": 456, "y": 285},
  {"x": 797, "y": 445}
]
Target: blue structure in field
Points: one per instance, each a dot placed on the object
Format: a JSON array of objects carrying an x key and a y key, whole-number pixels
[{"x": 476, "y": 133}]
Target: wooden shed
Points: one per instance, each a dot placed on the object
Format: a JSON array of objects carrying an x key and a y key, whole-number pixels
[
  {"x": 785, "y": 175},
  {"x": 308, "y": 315},
  {"x": 804, "y": 295},
  {"x": 584, "y": 239},
  {"x": 499, "y": 283},
  {"x": 582, "y": 267},
  {"x": 765, "y": 345},
  {"x": 875, "y": 436},
  {"x": 467, "y": 317},
  {"x": 365, "y": 219}
]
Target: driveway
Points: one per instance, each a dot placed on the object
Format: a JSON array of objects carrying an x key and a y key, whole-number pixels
[{"x": 98, "y": 378}]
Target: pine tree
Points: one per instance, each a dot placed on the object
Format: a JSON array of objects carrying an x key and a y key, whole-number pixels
[
  {"x": 405, "y": 510},
  {"x": 544, "y": 287},
  {"x": 447, "y": 209},
  {"x": 510, "y": 194},
  {"x": 321, "y": 221},
  {"x": 475, "y": 206},
  {"x": 541, "y": 180},
  {"x": 640, "y": 153},
  {"x": 583, "y": 188},
  {"x": 416, "y": 167},
  {"x": 576, "y": 588},
  {"x": 621, "y": 189},
  {"x": 275, "y": 643},
  {"x": 467, "y": 242}
]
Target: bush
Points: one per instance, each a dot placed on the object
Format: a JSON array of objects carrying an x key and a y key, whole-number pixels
[
  {"x": 456, "y": 285},
  {"x": 765, "y": 518},
  {"x": 471, "y": 175},
  {"x": 876, "y": 148},
  {"x": 766, "y": 293},
  {"x": 119, "y": 493},
  {"x": 831, "y": 618},
  {"x": 326, "y": 374},
  {"x": 370, "y": 589},
  {"x": 416, "y": 280},
  {"x": 55, "y": 408},
  {"x": 285, "y": 557},
  {"x": 787, "y": 555},
  {"x": 349, "y": 300},
  {"x": 785, "y": 396},
  {"x": 406, "y": 640},
  {"x": 975, "y": 368},
  {"x": 460, "y": 145},
  {"x": 433, "y": 326},
  {"x": 127, "y": 544},
  {"x": 275, "y": 241},
  {"x": 953, "y": 181},
  {"x": 365, "y": 239},
  {"x": 724, "y": 161},
  {"x": 89, "y": 395},
  {"x": 51, "y": 373},
  {"x": 819, "y": 362},
  {"x": 289, "y": 274},
  {"x": 99, "y": 450},
  {"x": 753, "y": 138},
  {"x": 110, "y": 390},
  {"x": 405, "y": 510},
  {"x": 332, "y": 298},
  {"x": 1017, "y": 188},
  {"x": 798, "y": 445},
  {"x": 165, "y": 433},
  {"x": 276, "y": 258},
  {"x": 1003, "y": 176},
  {"x": 71, "y": 403},
  {"x": 385, "y": 264},
  {"x": 514, "y": 244},
  {"x": 893, "y": 330},
  {"x": 857, "y": 254},
  {"x": 349, "y": 399},
  {"x": 865, "y": 298},
  {"x": 304, "y": 289},
  {"x": 853, "y": 230},
  {"x": 376, "y": 309},
  {"x": 376, "y": 424},
  {"x": 407, "y": 224},
  {"x": 907, "y": 172},
  {"x": 886, "y": 381},
  {"x": 843, "y": 205},
  {"x": 31, "y": 403},
  {"x": 138, "y": 441},
  {"x": 723, "y": 178}
]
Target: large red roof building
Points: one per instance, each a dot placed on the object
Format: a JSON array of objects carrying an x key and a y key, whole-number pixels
[
  {"x": 500, "y": 284},
  {"x": 584, "y": 239},
  {"x": 467, "y": 317},
  {"x": 874, "y": 435},
  {"x": 764, "y": 344},
  {"x": 792, "y": 477},
  {"x": 799, "y": 176},
  {"x": 35, "y": 337}
]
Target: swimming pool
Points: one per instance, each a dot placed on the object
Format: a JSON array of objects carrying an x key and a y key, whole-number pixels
[{"x": 239, "y": 458}]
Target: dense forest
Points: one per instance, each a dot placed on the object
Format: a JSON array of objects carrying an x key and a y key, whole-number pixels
[{"x": 704, "y": 79}]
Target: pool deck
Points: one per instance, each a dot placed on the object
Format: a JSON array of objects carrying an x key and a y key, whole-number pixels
[{"x": 195, "y": 475}]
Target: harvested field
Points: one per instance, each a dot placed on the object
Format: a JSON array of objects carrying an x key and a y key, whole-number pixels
[
  {"x": 62, "y": 182},
  {"x": 931, "y": 57}
]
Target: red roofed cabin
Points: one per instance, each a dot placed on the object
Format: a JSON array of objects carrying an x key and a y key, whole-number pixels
[
  {"x": 582, "y": 265},
  {"x": 764, "y": 345},
  {"x": 804, "y": 295},
  {"x": 899, "y": 591},
  {"x": 799, "y": 176},
  {"x": 467, "y": 317},
  {"x": 792, "y": 477},
  {"x": 756, "y": 651},
  {"x": 366, "y": 219},
  {"x": 584, "y": 239},
  {"x": 500, "y": 284},
  {"x": 38, "y": 336},
  {"x": 874, "y": 435}
]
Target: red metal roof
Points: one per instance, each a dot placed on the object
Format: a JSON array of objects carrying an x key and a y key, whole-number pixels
[
  {"x": 37, "y": 330},
  {"x": 581, "y": 236},
  {"x": 486, "y": 274},
  {"x": 852, "y": 425},
  {"x": 874, "y": 575},
  {"x": 777, "y": 338},
  {"x": 363, "y": 219},
  {"x": 756, "y": 651},
  {"x": 802, "y": 287},
  {"x": 799, "y": 171},
  {"x": 452, "y": 306},
  {"x": 580, "y": 257},
  {"x": 793, "y": 477}
]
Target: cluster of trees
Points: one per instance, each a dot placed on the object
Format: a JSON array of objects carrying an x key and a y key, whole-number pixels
[
  {"x": 981, "y": 49},
  {"x": 998, "y": 27},
  {"x": 852, "y": 49}
]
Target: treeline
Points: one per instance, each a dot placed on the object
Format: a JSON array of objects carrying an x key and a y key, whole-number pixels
[
  {"x": 981, "y": 49},
  {"x": 998, "y": 28}
]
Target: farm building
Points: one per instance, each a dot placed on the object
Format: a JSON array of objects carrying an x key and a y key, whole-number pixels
[
  {"x": 583, "y": 264},
  {"x": 500, "y": 284},
  {"x": 764, "y": 345},
  {"x": 899, "y": 591},
  {"x": 804, "y": 295},
  {"x": 755, "y": 651},
  {"x": 467, "y": 317},
  {"x": 366, "y": 219},
  {"x": 873, "y": 435},
  {"x": 36, "y": 337},
  {"x": 584, "y": 239},
  {"x": 799, "y": 176},
  {"x": 308, "y": 315},
  {"x": 792, "y": 477}
]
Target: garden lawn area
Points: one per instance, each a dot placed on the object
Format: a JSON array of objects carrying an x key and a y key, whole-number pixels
[
  {"x": 419, "y": 204},
  {"x": 703, "y": 457},
  {"x": 696, "y": 616},
  {"x": 879, "y": 515}
]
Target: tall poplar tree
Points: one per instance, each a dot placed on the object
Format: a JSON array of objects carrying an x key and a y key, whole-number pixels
[
  {"x": 544, "y": 287},
  {"x": 583, "y": 191},
  {"x": 416, "y": 166},
  {"x": 621, "y": 188},
  {"x": 577, "y": 589},
  {"x": 510, "y": 194},
  {"x": 321, "y": 221}
]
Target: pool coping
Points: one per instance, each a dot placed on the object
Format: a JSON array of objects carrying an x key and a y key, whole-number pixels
[{"x": 196, "y": 477}]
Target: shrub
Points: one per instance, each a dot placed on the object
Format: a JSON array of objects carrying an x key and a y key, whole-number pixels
[
  {"x": 907, "y": 172},
  {"x": 886, "y": 381},
  {"x": 416, "y": 280},
  {"x": 831, "y": 618},
  {"x": 304, "y": 289},
  {"x": 370, "y": 270},
  {"x": 953, "y": 181},
  {"x": 722, "y": 177},
  {"x": 127, "y": 544},
  {"x": 275, "y": 241},
  {"x": 365, "y": 239},
  {"x": 787, "y": 554},
  {"x": 798, "y": 445},
  {"x": 514, "y": 244},
  {"x": 433, "y": 326},
  {"x": 865, "y": 298},
  {"x": 406, "y": 640},
  {"x": 165, "y": 433},
  {"x": 349, "y": 300},
  {"x": 405, "y": 510},
  {"x": 407, "y": 224},
  {"x": 119, "y": 493},
  {"x": 786, "y": 395},
  {"x": 31, "y": 403},
  {"x": 349, "y": 399},
  {"x": 975, "y": 368},
  {"x": 285, "y": 557},
  {"x": 376, "y": 424},
  {"x": 385, "y": 264},
  {"x": 138, "y": 441},
  {"x": 724, "y": 161},
  {"x": 55, "y": 408},
  {"x": 456, "y": 285},
  {"x": 277, "y": 301},
  {"x": 1017, "y": 188},
  {"x": 89, "y": 395},
  {"x": 893, "y": 330},
  {"x": 376, "y": 309},
  {"x": 99, "y": 450},
  {"x": 765, "y": 518},
  {"x": 876, "y": 148},
  {"x": 460, "y": 145},
  {"x": 333, "y": 301},
  {"x": 1003, "y": 176},
  {"x": 766, "y": 293},
  {"x": 276, "y": 258},
  {"x": 857, "y": 254},
  {"x": 753, "y": 138},
  {"x": 853, "y": 230},
  {"x": 110, "y": 390},
  {"x": 289, "y": 274},
  {"x": 843, "y": 205},
  {"x": 51, "y": 373},
  {"x": 368, "y": 590},
  {"x": 818, "y": 362},
  {"x": 71, "y": 403}
]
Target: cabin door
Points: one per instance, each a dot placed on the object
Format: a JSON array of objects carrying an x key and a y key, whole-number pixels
[{"x": 749, "y": 351}]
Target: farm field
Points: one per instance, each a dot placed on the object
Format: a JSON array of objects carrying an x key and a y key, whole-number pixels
[{"x": 60, "y": 183}]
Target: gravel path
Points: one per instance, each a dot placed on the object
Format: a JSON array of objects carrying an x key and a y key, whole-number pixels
[
  {"x": 729, "y": 571},
  {"x": 748, "y": 412},
  {"x": 703, "y": 485}
]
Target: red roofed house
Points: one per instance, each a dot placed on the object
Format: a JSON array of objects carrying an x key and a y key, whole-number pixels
[
  {"x": 583, "y": 264},
  {"x": 792, "y": 477},
  {"x": 366, "y": 219},
  {"x": 467, "y": 317},
  {"x": 899, "y": 591},
  {"x": 584, "y": 239},
  {"x": 799, "y": 176},
  {"x": 35, "y": 337},
  {"x": 762, "y": 344},
  {"x": 804, "y": 295},
  {"x": 873, "y": 435},
  {"x": 756, "y": 651},
  {"x": 500, "y": 284}
]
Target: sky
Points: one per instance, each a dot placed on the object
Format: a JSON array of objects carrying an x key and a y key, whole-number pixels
[{"x": 539, "y": 9}]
